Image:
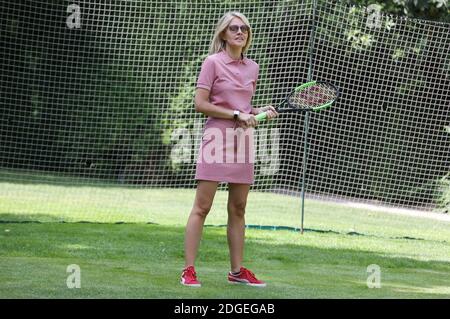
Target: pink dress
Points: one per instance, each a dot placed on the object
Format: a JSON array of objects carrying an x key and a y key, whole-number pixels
[{"x": 226, "y": 152}]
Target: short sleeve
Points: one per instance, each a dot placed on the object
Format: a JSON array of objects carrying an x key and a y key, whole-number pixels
[{"x": 207, "y": 75}]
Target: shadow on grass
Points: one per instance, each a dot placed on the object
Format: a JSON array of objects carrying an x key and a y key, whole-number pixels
[
  {"x": 312, "y": 230},
  {"x": 134, "y": 255},
  {"x": 62, "y": 179},
  {"x": 43, "y": 218}
]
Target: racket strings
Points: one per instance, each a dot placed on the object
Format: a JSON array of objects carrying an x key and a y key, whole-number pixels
[{"x": 313, "y": 96}]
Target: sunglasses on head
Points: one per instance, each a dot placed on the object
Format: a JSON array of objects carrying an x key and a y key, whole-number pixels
[{"x": 235, "y": 28}]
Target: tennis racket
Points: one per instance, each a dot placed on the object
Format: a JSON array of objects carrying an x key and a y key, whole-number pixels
[{"x": 310, "y": 96}]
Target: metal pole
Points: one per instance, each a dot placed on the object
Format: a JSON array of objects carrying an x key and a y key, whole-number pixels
[
  {"x": 306, "y": 122},
  {"x": 305, "y": 156}
]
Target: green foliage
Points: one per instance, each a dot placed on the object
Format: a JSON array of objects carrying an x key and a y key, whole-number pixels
[
  {"x": 436, "y": 10},
  {"x": 444, "y": 194},
  {"x": 178, "y": 121},
  {"x": 120, "y": 126},
  {"x": 390, "y": 58},
  {"x": 443, "y": 189}
]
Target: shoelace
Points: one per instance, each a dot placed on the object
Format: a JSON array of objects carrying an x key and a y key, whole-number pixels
[
  {"x": 190, "y": 272},
  {"x": 251, "y": 275}
]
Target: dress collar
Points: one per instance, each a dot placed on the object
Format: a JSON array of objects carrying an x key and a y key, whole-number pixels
[{"x": 227, "y": 59}]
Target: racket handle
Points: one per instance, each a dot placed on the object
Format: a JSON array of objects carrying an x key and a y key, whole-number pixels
[{"x": 261, "y": 116}]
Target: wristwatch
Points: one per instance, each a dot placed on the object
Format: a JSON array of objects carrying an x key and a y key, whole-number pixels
[{"x": 236, "y": 114}]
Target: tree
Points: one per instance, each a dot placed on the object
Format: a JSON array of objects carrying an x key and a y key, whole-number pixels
[{"x": 436, "y": 10}]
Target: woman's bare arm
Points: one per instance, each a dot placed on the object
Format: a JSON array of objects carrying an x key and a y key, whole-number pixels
[{"x": 203, "y": 105}]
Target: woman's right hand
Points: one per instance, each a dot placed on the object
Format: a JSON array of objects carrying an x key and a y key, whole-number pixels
[{"x": 246, "y": 120}]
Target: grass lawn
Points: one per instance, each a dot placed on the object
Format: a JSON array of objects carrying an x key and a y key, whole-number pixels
[{"x": 121, "y": 254}]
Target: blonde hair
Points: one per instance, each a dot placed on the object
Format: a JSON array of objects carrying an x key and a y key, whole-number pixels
[{"x": 217, "y": 43}]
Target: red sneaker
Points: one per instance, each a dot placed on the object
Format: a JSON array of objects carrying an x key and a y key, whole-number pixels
[
  {"x": 245, "y": 277},
  {"x": 189, "y": 277}
]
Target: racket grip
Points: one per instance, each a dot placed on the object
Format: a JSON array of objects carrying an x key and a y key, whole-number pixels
[{"x": 261, "y": 116}]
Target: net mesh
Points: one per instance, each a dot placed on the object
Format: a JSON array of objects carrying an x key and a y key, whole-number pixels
[{"x": 97, "y": 107}]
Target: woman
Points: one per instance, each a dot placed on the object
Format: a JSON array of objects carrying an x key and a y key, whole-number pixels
[{"x": 225, "y": 87}]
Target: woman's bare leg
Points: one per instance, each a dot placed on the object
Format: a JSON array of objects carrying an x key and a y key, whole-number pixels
[
  {"x": 237, "y": 201},
  {"x": 203, "y": 201}
]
